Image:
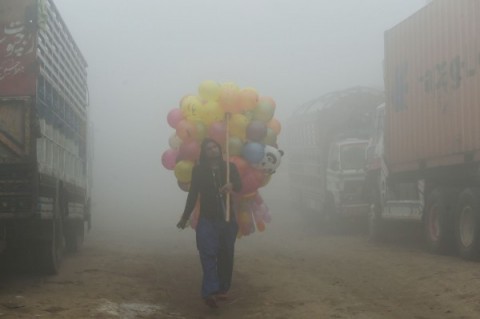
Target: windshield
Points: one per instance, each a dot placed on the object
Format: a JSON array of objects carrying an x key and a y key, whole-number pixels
[{"x": 352, "y": 156}]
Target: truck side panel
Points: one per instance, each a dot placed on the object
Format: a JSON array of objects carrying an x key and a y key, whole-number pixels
[
  {"x": 17, "y": 47},
  {"x": 432, "y": 79}
]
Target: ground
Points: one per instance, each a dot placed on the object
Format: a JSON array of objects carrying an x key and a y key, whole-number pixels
[{"x": 148, "y": 269}]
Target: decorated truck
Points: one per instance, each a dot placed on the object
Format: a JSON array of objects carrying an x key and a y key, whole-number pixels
[
  {"x": 423, "y": 160},
  {"x": 327, "y": 142},
  {"x": 44, "y": 150}
]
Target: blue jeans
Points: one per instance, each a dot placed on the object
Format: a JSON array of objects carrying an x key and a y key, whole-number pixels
[{"x": 215, "y": 244}]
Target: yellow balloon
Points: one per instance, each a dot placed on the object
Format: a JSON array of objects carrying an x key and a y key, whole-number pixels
[
  {"x": 190, "y": 107},
  {"x": 183, "y": 171},
  {"x": 238, "y": 125},
  {"x": 211, "y": 112},
  {"x": 209, "y": 90}
]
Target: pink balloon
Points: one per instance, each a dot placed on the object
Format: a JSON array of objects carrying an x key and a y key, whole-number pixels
[
  {"x": 189, "y": 150},
  {"x": 169, "y": 158},
  {"x": 218, "y": 131},
  {"x": 174, "y": 117}
]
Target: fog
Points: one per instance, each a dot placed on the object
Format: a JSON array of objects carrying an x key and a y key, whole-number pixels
[{"x": 144, "y": 57}]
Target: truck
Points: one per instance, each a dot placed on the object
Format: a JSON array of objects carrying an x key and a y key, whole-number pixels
[
  {"x": 327, "y": 142},
  {"x": 45, "y": 150},
  {"x": 424, "y": 155}
]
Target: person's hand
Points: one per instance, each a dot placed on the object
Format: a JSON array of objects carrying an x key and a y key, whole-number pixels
[
  {"x": 227, "y": 188},
  {"x": 182, "y": 223}
]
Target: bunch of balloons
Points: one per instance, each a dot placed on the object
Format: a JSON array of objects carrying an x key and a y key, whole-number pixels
[{"x": 251, "y": 141}]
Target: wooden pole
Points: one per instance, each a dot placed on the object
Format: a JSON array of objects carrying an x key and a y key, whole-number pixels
[{"x": 227, "y": 154}]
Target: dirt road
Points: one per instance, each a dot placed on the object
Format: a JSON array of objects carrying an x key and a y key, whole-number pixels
[{"x": 144, "y": 268}]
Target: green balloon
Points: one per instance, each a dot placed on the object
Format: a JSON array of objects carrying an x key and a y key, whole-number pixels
[
  {"x": 235, "y": 146},
  {"x": 201, "y": 131},
  {"x": 270, "y": 138},
  {"x": 263, "y": 111}
]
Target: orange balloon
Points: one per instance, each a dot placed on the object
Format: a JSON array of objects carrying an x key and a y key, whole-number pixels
[
  {"x": 248, "y": 99},
  {"x": 275, "y": 125},
  {"x": 260, "y": 225},
  {"x": 186, "y": 130},
  {"x": 229, "y": 98}
]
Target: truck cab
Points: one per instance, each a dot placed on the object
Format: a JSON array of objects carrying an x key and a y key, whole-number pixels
[
  {"x": 346, "y": 178},
  {"x": 391, "y": 199}
]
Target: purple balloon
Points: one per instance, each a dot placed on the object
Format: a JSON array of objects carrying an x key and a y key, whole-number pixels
[
  {"x": 256, "y": 131},
  {"x": 173, "y": 117},
  {"x": 169, "y": 158}
]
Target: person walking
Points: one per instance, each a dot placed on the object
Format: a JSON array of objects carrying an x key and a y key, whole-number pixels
[{"x": 215, "y": 236}]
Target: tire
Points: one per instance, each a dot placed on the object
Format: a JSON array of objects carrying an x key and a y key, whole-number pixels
[
  {"x": 467, "y": 224},
  {"x": 376, "y": 224},
  {"x": 331, "y": 219},
  {"x": 438, "y": 221},
  {"x": 51, "y": 250},
  {"x": 74, "y": 236}
]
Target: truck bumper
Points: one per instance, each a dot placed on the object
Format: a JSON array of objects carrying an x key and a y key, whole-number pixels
[{"x": 355, "y": 210}]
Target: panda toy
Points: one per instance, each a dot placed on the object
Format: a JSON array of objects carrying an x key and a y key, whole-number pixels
[{"x": 271, "y": 160}]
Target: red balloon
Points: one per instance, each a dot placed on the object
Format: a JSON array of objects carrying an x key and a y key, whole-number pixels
[
  {"x": 241, "y": 164},
  {"x": 251, "y": 180}
]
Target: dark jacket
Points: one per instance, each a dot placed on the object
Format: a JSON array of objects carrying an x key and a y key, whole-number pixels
[{"x": 206, "y": 183}]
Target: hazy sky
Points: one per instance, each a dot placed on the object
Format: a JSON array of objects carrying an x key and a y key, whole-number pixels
[{"x": 144, "y": 57}]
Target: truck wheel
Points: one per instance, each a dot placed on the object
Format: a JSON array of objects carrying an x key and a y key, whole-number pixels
[
  {"x": 438, "y": 221},
  {"x": 376, "y": 224},
  {"x": 74, "y": 236},
  {"x": 51, "y": 250},
  {"x": 331, "y": 218},
  {"x": 467, "y": 225}
]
